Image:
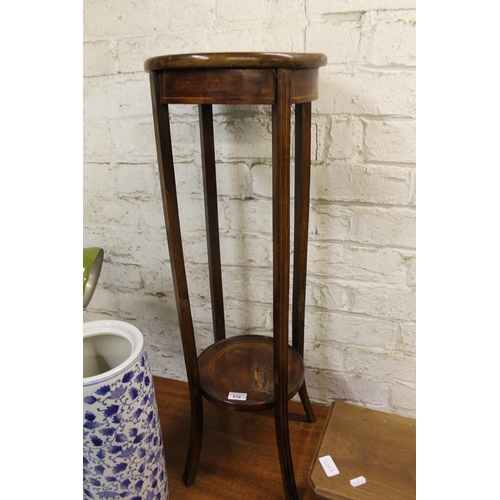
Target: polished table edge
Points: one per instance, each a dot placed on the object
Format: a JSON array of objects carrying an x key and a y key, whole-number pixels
[{"x": 242, "y": 60}]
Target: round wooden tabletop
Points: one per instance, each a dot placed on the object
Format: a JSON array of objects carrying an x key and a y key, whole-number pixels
[
  {"x": 243, "y": 365},
  {"x": 236, "y": 60}
]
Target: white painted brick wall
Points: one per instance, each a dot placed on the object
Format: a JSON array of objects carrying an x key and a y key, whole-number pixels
[
  {"x": 388, "y": 38},
  {"x": 360, "y": 314}
]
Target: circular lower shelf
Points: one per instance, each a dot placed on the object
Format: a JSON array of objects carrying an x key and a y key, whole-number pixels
[{"x": 244, "y": 365}]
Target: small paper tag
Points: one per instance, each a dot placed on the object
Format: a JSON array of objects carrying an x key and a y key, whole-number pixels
[
  {"x": 329, "y": 466},
  {"x": 237, "y": 396},
  {"x": 358, "y": 481}
]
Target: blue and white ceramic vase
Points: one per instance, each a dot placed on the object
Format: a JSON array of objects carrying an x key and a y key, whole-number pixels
[{"x": 123, "y": 454}]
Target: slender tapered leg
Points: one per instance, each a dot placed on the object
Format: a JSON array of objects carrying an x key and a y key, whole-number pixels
[
  {"x": 301, "y": 225},
  {"x": 212, "y": 219},
  {"x": 172, "y": 225},
  {"x": 281, "y": 115}
]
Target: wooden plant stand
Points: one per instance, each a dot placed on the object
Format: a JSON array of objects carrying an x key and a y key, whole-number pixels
[{"x": 268, "y": 371}]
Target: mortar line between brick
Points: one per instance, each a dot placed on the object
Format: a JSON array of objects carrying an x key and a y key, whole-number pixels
[
  {"x": 396, "y": 68},
  {"x": 317, "y": 203},
  {"x": 386, "y": 118},
  {"x": 390, "y": 164}
]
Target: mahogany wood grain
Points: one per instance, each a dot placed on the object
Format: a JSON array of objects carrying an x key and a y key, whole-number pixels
[
  {"x": 244, "y": 364},
  {"x": 301, "y": 228},
  {"x": 381, "y": 447},
  {"x": 239, "y": 459},
  {"x": 304, "y": 85},
  {"x": 281, "y": 112},
  {"x": 174, "y": 240},
  {"x": 301, "y": 220},
  {"x": 218, "y": 86},
  {"x": 234, "y": 86},
  {"x": 212, "y": 219}
]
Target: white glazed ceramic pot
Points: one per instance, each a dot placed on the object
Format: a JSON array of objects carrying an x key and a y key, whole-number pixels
[{"x": 123, "y": 453}]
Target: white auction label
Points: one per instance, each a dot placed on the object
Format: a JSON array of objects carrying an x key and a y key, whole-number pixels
[
  {"x": 358, "y": 481},
  {"x": 329, "y": 466},
  {"x": 237, "y": 396}
]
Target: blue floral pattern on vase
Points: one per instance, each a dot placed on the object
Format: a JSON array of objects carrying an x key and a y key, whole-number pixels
[{"x": 122, "y": 442}]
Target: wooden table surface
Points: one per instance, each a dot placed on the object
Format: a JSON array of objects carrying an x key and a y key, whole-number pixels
[
  {"x": 239, "y": 456},
  {"x": 381, "y": 447}
]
